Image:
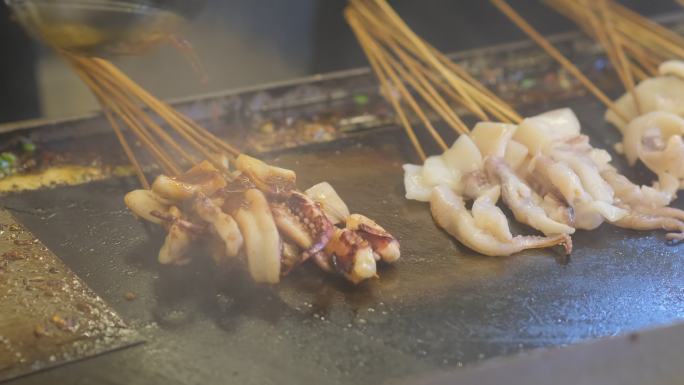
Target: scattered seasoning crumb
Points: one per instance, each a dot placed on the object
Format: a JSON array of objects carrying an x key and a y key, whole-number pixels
[
  {"x": 11, "y": 255},
  {"x": 14, "y": 227},
  {"x": 40, "y": 330},
  {"x": 83, "y": 307},
  {"x": 130, "y": 296},
  {"x": 36, "y": 279},
  {"x": 67, "y": 324}
]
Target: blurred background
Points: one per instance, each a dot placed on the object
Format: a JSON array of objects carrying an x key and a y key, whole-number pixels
[{"x": 248, "y": 42}]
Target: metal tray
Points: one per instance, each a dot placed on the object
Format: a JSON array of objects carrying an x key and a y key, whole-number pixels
[{"x": 441, "y": 307}]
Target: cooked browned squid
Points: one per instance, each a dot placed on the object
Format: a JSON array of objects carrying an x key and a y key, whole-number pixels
[{"x": 258, "y": 211}]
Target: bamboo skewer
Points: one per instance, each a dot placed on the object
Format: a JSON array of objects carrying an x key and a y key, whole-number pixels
[
  {"x": 613, "y": 43},
  {"x": 405, "y": 94},
  {"x": 124, "y": 100},
  {"x": 634, "y": 44},
  {"x": 556, "y": 54},
  {"x": 386, "y": 87},
  {"x": 469, "y": 89},
  {"x": 406, "y": 65}
]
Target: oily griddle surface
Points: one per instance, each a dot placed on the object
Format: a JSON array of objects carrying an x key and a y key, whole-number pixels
[
  {"x": 48, "y": 316},
  {"x": 440, "y": 307}
]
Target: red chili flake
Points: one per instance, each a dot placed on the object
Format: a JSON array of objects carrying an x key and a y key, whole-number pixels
[
  {"x": 12, "y": 255},
  {"x": 130, "y": 296}
]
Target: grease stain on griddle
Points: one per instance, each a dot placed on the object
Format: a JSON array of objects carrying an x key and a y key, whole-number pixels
[{"x": 47, "y": 315}]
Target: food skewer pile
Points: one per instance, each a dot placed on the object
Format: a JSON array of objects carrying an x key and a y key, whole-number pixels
[
  {"x": 542, "y": 167},
  {"x": 650, "y": 114},
  {"x": 230, "y": 203}
]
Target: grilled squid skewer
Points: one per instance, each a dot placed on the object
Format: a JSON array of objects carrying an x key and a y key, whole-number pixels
[
  {"x": 262, "y": 240},
  {"x": 489, "y": 217},
  {"x": 174, "y": 251},
  {"x": 450, "y": 213},
  {"x": 351, "y": 256},
  {"x": 382, "y": 242},
  {"x": 525, "y": 203},
  {"x": 222, "y": 224}
]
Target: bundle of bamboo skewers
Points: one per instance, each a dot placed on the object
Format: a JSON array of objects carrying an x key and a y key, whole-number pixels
[
  {"x": 415, "y": 77},
  {"x": 125, "y": 103}
]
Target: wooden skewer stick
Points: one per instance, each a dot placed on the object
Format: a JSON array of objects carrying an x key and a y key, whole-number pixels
[
  {"x": 553, "y": 52},
  {"x": 430, "y": 95},
  {"x": 121, "y": 98},
  {"x": 384, "y": 82},
  {"x": 114, "y": 89},
  {"x": 612, "y": 43},
  {"x": 386, "y": 31},
  {"x": 401, "y": 59},
  {"x": 424, "y": 52}
]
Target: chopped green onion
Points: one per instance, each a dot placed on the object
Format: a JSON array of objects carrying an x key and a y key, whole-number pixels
[
  {"x": 9, "y": 157},
  {"x": 361, "y": 99},
  {"x": 28, "y": 146}
]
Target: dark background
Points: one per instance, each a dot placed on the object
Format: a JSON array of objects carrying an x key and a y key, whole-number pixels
[{"x": 245, "y": 42}]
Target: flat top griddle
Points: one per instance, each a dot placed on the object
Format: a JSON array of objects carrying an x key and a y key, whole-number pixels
[
  {"x": 441, "y": 307},
  {"x": 48, "y": 316}
]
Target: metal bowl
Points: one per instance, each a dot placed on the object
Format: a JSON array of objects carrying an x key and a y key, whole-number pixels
[{"x": 103, "y": 27}]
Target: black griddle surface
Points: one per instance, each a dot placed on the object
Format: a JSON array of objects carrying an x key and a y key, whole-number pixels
[{"x": 440, "y": 307}]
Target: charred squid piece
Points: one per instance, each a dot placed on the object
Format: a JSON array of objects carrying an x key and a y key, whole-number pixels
[
  {"x": 143, "y": 202},
  {"x": 222, "y": 224},
  {"x": 382, "y": 242},
  {"x": 324, "y": 261},
  {"x": 332, "y": 205},
  {"x": 202, "y": 178},
  {"x": 291, "y": 256},
  {"x": 239, "y": 185},
  {"x": 177, "y": 242},
  {"x": 351, "y": 256},
  {"x": 450, "y": 213},
  {"x": 301, "y": 220},
  {"x": 262, "y": 240},
  {"x": 267, "y": 178},
  {"x": 522, "y": 200},
  {"x": 173, "y": 216}
]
